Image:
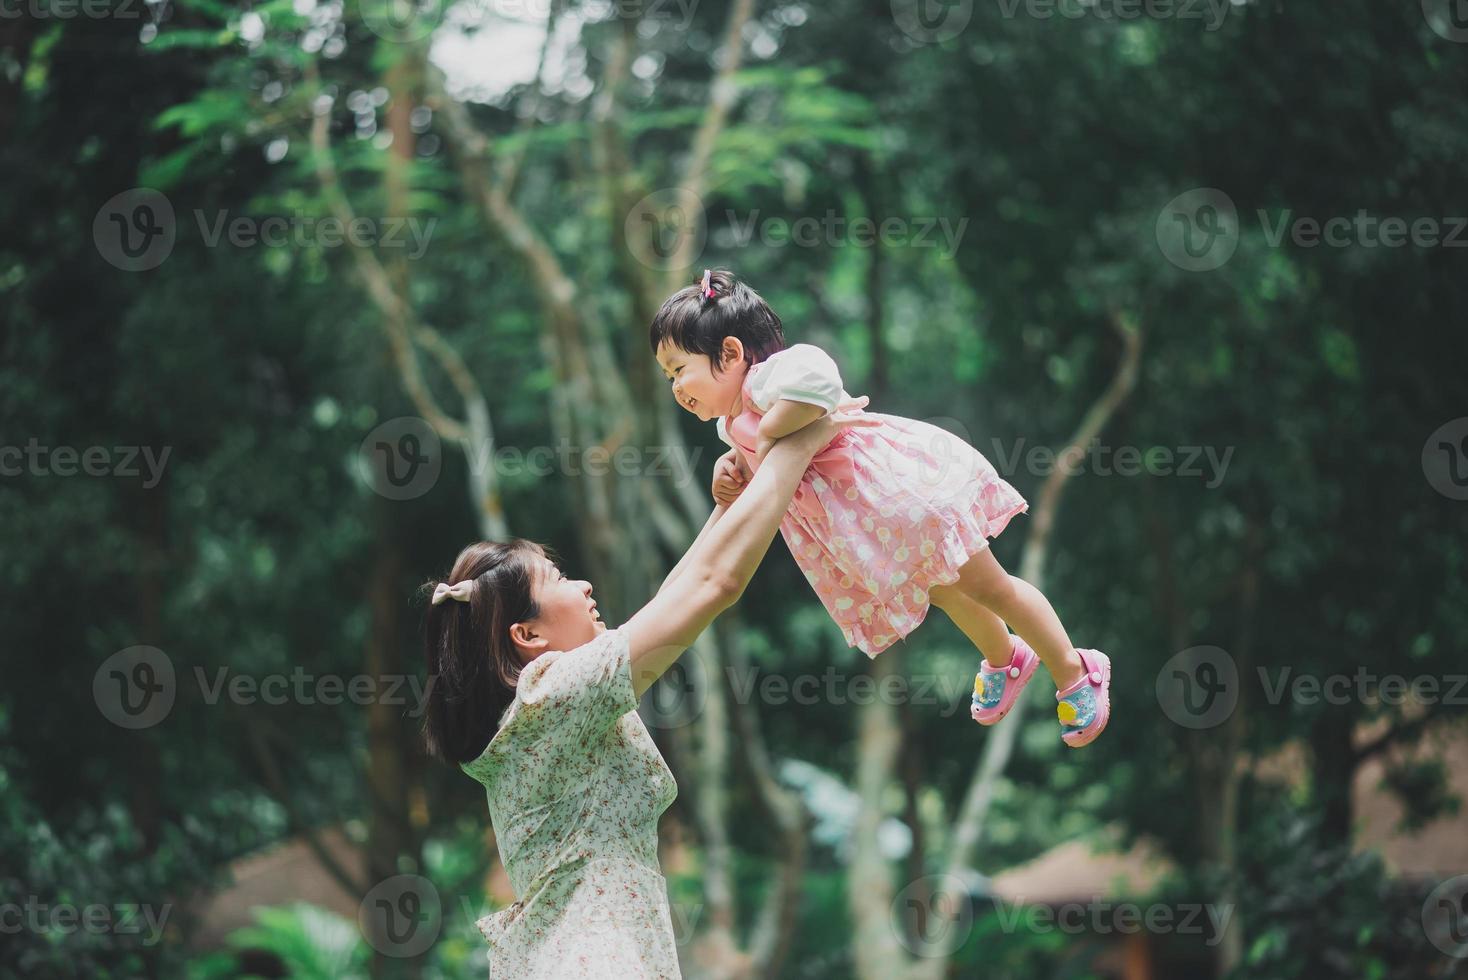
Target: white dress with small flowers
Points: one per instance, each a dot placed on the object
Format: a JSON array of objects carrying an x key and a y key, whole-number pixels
[
  {"x": 575, "y": 788},
  {"x": 884, "y": 513}
]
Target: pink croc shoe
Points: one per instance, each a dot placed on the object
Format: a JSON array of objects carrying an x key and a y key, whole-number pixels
[
  {"x": 997, "y": 688},
  {"x": 1085, "y": 706}
]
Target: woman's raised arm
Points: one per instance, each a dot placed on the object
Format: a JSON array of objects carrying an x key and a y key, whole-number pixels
[{"x": 719, "y": 565}]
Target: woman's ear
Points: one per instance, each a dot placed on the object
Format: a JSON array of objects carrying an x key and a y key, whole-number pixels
[
  {"x": 527, "y": 644},
  {"x": 732, "y": 351}
]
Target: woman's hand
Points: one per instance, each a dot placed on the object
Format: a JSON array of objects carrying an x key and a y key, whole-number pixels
[{"x": 730, "y": 477}]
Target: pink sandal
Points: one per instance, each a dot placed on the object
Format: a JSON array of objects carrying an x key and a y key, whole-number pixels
[
  {"x": 1085, "y": 706},
  {"x": 997, "y": 688}
]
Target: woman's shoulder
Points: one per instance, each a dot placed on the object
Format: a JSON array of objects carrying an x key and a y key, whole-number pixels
[{"x": 564, "y": 677}]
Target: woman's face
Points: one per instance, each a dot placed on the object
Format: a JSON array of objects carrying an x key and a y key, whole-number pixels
[
  {"x": 568, "y": 616},
  {"x": 696, "y": 387}
]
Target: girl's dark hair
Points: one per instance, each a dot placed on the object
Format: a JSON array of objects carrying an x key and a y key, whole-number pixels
[
  {"x": 695, "y": 322},
  {"x": 473, "y": 663}
]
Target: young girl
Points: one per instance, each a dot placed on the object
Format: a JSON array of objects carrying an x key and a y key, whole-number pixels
[{"x": 887, "y": 519}]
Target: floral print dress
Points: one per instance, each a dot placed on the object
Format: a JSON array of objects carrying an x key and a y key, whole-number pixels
[
  {"x": 575, "y": 788},
  {"x": 882, "y": 514}
]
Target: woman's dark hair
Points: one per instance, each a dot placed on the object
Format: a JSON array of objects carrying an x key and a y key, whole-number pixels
[
  {"x": 693, "y": 321},
  {"x": 473, "y": 663}
]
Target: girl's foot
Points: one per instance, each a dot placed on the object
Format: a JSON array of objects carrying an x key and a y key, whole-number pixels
[
  {"x": 997, "y": 688},
  {"x": 1085, "y": 706}
]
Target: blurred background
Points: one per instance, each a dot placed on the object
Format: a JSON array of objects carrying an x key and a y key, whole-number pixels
[{"x": 300, "y": 297}]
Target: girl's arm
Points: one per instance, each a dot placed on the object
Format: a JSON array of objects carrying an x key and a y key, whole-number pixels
[{"x": 785, "y": 417}]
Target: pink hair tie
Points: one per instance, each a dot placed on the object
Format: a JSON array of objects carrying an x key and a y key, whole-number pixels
[{"x": 708, "y": 291}]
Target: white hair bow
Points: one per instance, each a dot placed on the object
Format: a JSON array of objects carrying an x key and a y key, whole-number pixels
[{"x": 460, "y": 591}]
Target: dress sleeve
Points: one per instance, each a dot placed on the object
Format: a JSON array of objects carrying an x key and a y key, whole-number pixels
[
  {"x": 575, "y": 696},
  {"x": 802, "y": 373}
]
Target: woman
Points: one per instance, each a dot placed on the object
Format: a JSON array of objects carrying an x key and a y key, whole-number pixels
[{"x": 536, "y": 699}]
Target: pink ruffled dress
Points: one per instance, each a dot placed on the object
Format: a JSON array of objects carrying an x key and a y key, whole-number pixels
[{"x": 883, "y": 514}]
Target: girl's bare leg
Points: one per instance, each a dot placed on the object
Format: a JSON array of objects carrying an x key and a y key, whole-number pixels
[
  {"x": 983, "y": 628},
  {"x": 982, "y": 580}
]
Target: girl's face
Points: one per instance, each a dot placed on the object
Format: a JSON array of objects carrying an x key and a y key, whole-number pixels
[{"x": 696, "y": 387}]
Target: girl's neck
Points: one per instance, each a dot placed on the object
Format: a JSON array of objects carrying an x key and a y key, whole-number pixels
[{"x": 737, "y": 408}]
